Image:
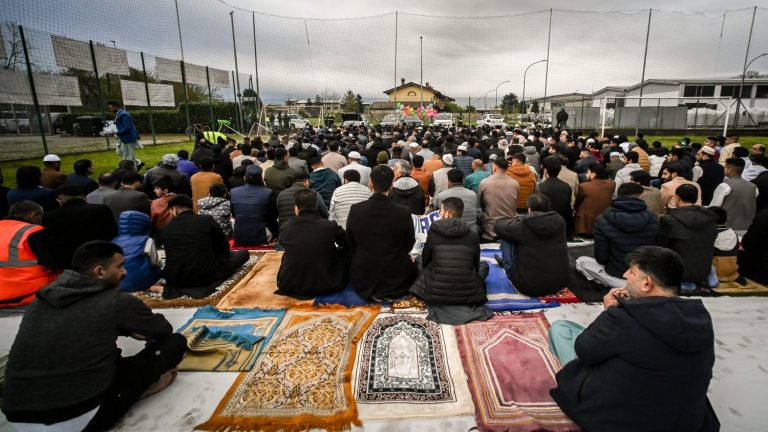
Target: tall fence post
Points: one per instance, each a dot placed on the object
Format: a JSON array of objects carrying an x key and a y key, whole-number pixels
[
  {"x": 237, "y": 106},
  {"x": 210, "y": 97},
  {"x": 98, "y": 88},
  {"x": 546, "y": 71},
  {"x": 33, "y": 89},
  {"x": 149, "y": 102},
  {"x": 186, "y": 97},
  {"x": 642, "y": 78}
]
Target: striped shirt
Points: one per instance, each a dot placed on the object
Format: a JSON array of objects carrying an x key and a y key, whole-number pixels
[{"x": 343, "y": 199}]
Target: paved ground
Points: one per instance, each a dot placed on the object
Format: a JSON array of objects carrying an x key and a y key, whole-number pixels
[{"x": 13, "y": 147}]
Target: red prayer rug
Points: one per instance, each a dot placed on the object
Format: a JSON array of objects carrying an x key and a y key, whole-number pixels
[
  {"x": 510, "y": 372},
  {"x": 563, "y": 296}
]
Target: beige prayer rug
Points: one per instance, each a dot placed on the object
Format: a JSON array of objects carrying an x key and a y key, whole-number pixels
[
  {"x": 257, "y": 288},
  {"x": 156, "y": 301},
  {"x": 734, "y": 289},
  {"x": 408, "y": 367},
  {"x": 302, "y": 379}
]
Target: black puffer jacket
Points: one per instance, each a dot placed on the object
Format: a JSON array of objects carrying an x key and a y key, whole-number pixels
[
  {"x": 451, "y": 258},
  {"x": 652, "y": 354},
  {"x": 690, "y": 231},
  {"x": 541, "y": 258},
  {"x": 623, "y": 227}
]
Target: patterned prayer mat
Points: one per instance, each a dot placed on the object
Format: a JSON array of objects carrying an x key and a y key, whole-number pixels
[
  {"x": 510, "y": 371},
  {"x": 219, "y": 341},
  {"x": 502, "y": 295},
  {"x": 302, "y": 378},
  {"x": 257, "y": 288},
  {"x": 408, "y": 367},
  {"x": 735, "y": 289},
  {"x": 408, "y": 303},
  {"x": 563, "y": 296},
  {"x": 346, "y": 297},
  {"x": 156, "y": 301}
]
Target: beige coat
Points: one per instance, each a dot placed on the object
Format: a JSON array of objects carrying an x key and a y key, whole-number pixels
[{"x": 498, "y": 198}]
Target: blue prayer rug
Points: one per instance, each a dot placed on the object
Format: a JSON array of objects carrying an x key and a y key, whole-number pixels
[{"x": 502, "y": 295}]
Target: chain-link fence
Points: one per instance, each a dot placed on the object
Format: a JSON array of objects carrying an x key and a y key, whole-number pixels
[{"x": 184, "y": 66}]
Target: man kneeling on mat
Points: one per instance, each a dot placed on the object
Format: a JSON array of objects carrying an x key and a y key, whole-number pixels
[
  {"x": 65, "y": 371},
  {"x": 645, "y": 363}
]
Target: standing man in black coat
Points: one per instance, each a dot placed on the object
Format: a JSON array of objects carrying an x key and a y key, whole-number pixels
[
  {"x": 197, "y": 256},
  {"x": 645, "y": 363},
  {"x": 74, "y": 223},
  {"x": 381, "y": 237},
  {"x": 312, "y": 264}
]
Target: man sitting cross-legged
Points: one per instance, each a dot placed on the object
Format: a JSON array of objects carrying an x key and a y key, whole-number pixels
[
  {"x": 65, "y": 371},
  {"x": 197, "y": 256},
  {"x": 381, "y": 236},
  {"x": 623, "y": 227},
  {"x": 453, "y": 280},
  {"x": 312, "y": 264},
  {"x": 534, "y": 250},
  {"x": 648, "y": 352}
]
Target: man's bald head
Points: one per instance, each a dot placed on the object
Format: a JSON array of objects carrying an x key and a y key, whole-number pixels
[{"x": 477, "y": 164}]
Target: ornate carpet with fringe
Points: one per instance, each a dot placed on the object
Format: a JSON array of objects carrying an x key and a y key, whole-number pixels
[
  {"x": 156, "y": 301},
  {"x": 510, "y": 371},
  {"x": 302, "y": 379}
]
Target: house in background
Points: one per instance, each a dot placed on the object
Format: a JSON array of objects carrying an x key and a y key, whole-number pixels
[{"x": 411, "y": 94}]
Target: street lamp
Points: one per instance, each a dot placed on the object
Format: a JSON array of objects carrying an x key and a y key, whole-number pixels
[
  {"x": 741, "y": 86},
  {"x": 497, "y": 92},
  {"x": 485, "y": 99},
  {"x": 524, "y": 73}
]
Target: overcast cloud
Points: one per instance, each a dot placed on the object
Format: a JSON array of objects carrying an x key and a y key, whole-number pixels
[{"x": 463, "y": 56}]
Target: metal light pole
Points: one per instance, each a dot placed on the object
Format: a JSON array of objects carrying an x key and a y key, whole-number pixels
[
  {"x": 739, "y": 104},
  {"x": 421, "y": 72},
  {"x": 237, "y": 73},
  {"x": 485, "y": 99},
  {"x": 746, "y": 56},
  {"x": 497, "y": 92},
  {"x": 524, "y": 73}
]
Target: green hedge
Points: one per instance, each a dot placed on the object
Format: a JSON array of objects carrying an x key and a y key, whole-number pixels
[{"x": 165, "y": 120}]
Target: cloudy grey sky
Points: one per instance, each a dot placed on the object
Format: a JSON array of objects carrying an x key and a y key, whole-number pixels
[{"x": 463, "y": 56}]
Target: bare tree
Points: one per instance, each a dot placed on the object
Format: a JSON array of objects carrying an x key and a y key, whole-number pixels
[{"x": 15, "y": 55}]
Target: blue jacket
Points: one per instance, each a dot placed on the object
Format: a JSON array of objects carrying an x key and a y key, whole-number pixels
[
  {"x": 126, "y": 130},
  {"x": 324, "y": 182},
  {"x": 254, "y": 208},
  {"x": 624, "y": 226},
  {"x": 133, "y": 230}
]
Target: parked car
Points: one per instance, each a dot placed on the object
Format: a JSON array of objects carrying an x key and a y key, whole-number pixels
[
  {"x": 296, "y": 122},
  {"x": 412, "y": 120},
  {"x": 390, "y": 120},
  {"x": 353, "y": 119},
  {"x": 443, "y": 119},
  {"x": 11, "y": 125},
  {"x": 491, "y": 120}
]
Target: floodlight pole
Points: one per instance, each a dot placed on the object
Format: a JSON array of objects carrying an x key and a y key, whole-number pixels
[
  {"x": 743, "y": 75},
  {"x": 546, "y": 71},
  {"x": 642, "y": 77},
  {"x": 421, "y": 71},
  {"x": 183, "y": 65},
  {"x": 256, "y": 61},
  {"x": 34, "y": 90},
  {"x": 395, "y": 86},
  {"x": 237, "y": 72}
]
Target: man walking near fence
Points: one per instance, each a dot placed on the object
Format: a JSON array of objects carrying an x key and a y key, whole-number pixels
[{"x": 128, "y": 136}]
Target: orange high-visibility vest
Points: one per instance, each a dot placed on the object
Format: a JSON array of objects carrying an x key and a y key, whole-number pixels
[{"x": 20, "y": 274}]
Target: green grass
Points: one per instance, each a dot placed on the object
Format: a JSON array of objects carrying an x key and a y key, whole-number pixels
[
  {"x": 103, "y": 161},
  {"x": 670, "y": 141}
]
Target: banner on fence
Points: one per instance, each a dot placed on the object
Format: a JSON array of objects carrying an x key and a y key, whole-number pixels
[
  {"x": 170, "y": 70},
  {"x": 134, "y": 94},
  {"x": 70, "y": 53},
  {"x": 51, "y": 89},
  {"x": 3, "y": 54}
]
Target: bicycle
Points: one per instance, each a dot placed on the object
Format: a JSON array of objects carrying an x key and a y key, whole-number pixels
[{"x": 197, "y": 128}]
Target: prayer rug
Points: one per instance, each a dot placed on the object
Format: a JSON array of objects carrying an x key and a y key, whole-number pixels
[
  {"x": 156, "y": 301},
  {"x": 346, "y": 297},
  {"x": 735, "y": 289},
  {"x": 408, "y": 367},
  {"x": 302, "y": 379},
  {"x": 502, "y": 295},
  {"x": 257, "y": 288},
  {"x": 408, "y": 303},
  {"x": 510, "y": 371},
  {"x": 563, "y": 296},
  {"x": 219, "y": 341}
]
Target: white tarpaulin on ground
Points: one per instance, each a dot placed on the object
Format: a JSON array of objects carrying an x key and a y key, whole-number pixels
[
  {"x": 170, "y": 70},
  {"x": 134, "y": 94},
  {"x": 75, "y": 54},
  {"x": 51, "y": 89},
  {"x": 2, "y": 46}
]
